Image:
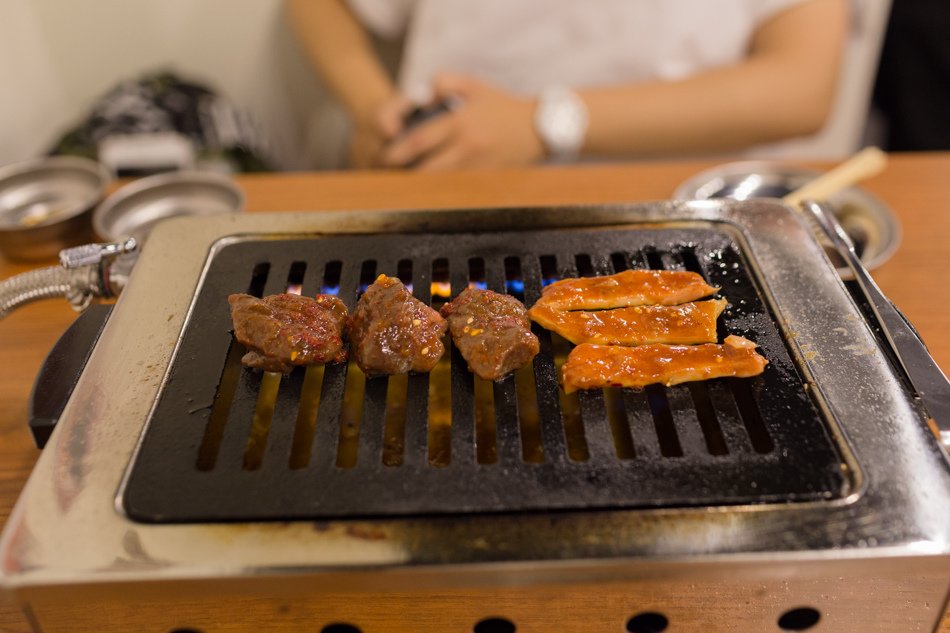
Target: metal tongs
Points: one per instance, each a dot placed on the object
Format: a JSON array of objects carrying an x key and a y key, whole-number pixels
[{"x": 926, "y": 378}]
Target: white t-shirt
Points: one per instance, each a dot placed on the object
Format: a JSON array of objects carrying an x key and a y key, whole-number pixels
[{"x": 527, "y": 45}]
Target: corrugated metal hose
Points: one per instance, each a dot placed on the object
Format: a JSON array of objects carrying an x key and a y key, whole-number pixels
[
  {"x": 45, "y": 283},
  {"x": 85, "y": 273}
]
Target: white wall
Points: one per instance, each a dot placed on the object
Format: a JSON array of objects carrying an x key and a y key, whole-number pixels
[
  {"x": 58, "y": 56},
  {"x": 30, "y": 97}
]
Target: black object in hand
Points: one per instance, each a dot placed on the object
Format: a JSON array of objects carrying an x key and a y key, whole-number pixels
[{"x": 420, "y": 114}]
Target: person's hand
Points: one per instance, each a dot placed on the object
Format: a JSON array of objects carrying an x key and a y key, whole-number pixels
[
  {"x": 489, "y": 128},
  {"x": 373, "y": 132}
]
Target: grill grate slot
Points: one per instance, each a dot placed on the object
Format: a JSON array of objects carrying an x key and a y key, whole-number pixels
[
  {"x": 663, "y": 420},
  {"x": 327, "y": 442}
]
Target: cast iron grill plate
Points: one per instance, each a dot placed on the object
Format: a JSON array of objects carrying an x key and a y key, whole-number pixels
[{"x": 224, "y": 443}]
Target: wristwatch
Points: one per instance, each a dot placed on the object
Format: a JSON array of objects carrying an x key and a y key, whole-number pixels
[{"x": 560, "y": 120}]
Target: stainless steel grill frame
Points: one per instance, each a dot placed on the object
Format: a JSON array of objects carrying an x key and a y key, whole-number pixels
[{"x": 68, "y": 544}]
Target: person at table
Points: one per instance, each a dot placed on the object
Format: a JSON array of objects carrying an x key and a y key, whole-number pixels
[{"x": 536, "y": 80}]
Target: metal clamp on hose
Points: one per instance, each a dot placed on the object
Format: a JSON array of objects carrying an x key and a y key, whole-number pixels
[{"x": 85, "y": 272}]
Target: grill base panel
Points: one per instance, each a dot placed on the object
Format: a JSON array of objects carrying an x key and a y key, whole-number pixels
[{"x": 859, "y": 596}]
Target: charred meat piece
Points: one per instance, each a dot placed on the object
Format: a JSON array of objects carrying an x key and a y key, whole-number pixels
[
  {"x": 638, "y": 325},
  {"x": 285, "y": 330},
  {"x": 595, "y": 366},
  {"x": 392, "y": 332},
  {"x": 627, "y": 288},
  {"x": 492, "y": 332}
]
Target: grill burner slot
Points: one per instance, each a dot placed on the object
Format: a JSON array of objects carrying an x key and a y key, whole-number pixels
[{"x": 226, "y": 443}]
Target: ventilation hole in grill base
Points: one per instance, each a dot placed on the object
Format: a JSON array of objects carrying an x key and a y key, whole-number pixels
[
  {"x": 799, "y": 619},
  {"x": 494, "y": 625},
  {"x": 340, "y": 627},
  {"x": 647, "y": 622}
]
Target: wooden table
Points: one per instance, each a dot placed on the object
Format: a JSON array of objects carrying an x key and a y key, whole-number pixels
[{"x": 915, "y": 186}]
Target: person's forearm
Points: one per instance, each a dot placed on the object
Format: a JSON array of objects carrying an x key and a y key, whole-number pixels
[
  {"x": 718, "y": 111},
  {"x": 340, "y": 50},
  {"x": 784, "y": 88}
]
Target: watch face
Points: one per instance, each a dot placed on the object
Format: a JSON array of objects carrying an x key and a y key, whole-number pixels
[{"x": 561, "y": 121}]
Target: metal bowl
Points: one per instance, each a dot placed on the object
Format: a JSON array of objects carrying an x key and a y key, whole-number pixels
[
  {"x": 871, "y": 225},
  {"x": 45, "y": 205},
  {"x": 136, "y": 208}
]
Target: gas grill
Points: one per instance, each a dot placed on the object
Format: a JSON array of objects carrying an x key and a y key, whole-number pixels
[{"x": 182, "y": 487}]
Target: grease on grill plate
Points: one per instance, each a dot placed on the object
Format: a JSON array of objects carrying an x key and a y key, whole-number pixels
[{"x": 227, "y": 443}]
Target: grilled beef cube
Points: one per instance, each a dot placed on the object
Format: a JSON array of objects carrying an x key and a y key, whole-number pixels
[
  {"x": 492, "y": 332},
  {"x": 285, "y": 330},
  {"x": 392, "y": 332}
]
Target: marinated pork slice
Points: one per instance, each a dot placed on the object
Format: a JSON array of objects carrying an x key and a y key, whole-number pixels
[
  {"x": 638, "y": 325},
  {"x": 392, "y": 332},
  {"x": 285, "y": 330},
  {"x": 491, "y": 331},
  {"x": 627, "y": 288},
  {"x": 595, "y": 366}
]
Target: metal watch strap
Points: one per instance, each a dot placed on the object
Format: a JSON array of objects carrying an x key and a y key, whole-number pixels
[{"x": 561, "y": 122}]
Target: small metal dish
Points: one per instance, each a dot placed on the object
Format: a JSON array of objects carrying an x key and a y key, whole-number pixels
[
  {"x": 871, "y": 225},
  {"x": 46, "y": 204},
  {"x": 136, "y": 208}
]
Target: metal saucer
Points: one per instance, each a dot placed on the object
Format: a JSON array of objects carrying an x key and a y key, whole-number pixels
[
  {"x": 872, "y": 226},
  {"x": 136, "y": 208},
  {"x": 45, "y": 205}
]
